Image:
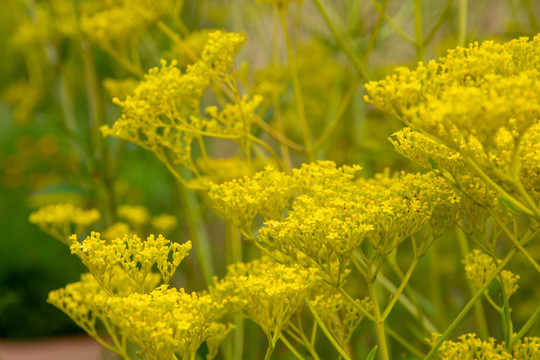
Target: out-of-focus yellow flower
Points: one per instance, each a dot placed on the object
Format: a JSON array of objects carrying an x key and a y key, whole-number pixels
[{"x": 62, "y": 220}]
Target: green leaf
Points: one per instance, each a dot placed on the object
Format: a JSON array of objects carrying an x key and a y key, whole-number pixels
[{"x": 371, "y": 355}]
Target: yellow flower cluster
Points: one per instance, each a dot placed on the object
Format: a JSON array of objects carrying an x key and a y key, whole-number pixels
[
  {"x": 84, "y": 302},
  {"x": 269, "y": 292},
  {"x": 470, "y": 346},
  {"x": 167, "y": 321},
  {"x": 62, "y": 220},
  {"x": 267, "y": 193},
  {"x": 480, "y": 266},
  {"x": 135, "y": 256},
  {"x": 332, "y": 213},
  {"x": 481, "y": 102},
  {"x": 163, "y": 113},
  {"x": 218, "y": 54},
  {"x": 115, "y": 23}
]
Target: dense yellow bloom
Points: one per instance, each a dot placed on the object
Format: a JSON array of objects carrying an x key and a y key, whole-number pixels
[
  {"x": 62, "y": 220},
  {"x": 218, "y": 53},
  {"x": 470, "y": 346},
  {"x": 84, "y": 301},
  {"x": 163, "y": 113},
  {"x": 269, "y": 292},
  {"x": 331, "y": 213},
  {"x": 267, "y": 193},
  {"x": 135, "y": 256},
  {"x": 482, "y": 103},
  {"x": 166, "y": 321}
]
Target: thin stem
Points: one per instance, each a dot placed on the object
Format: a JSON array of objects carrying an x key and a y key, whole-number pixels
[
  {"x": 375, "y": 30},
  {"x": 343, "y": 44},
  {"x": 296, "y": 86},
  {"x": 279, "y": 137},
  {"x": 177, "y": 40},
  {"x": 438, "y": 24},
  {"x": 327, "y": 332},
  {"x": 100, "y": 155},
  {"x": 525, "y": 327},
  {"x": 398, "y": 292},
  {"x": 234, "y": 255},
  {"x": 198, "y": 233},
  {"x": 290, "y": 347},
  {"x": 404, "y": 343},
  {"x": 514, "y": 240},
  {"x": 479, "y": 313},
  {"x": 392, "y": 23},
  {"x": 379, "y": 321},
  {"x": 518, "y": 205}
]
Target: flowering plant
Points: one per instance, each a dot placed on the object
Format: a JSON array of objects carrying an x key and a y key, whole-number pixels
[{"x": 321, "y": 259}]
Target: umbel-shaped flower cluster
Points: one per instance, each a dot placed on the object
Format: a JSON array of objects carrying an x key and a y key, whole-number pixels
[
  {"x": 121, "y": 294},
  {"x": 61, "y": 220},
  {"x": 322, "y": 213},
  {"x": 163, "y": 113},
  {"x": 476, "y": 112}
]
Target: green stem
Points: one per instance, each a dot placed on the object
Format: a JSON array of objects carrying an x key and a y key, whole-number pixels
[
  {"x": 379, "y": 321},
  {"x": 327, "y": 332},
  {"x": 234, "y": 255},
  {"x": 515, "y": 241},
  {"x": 198, "y": 234},
  {"x": 343, "y": 44},
  {"x": 296, "y": 86},
  {"x": 375, "y": 30},
  {"x": 398, "y": 292},
  {"x": 404, "y": 343},
  {"x": 518, "y": 205},
  {"x": 392, "y": 23},
  {"x": 290, "y": 347},
  {"x": 457, "y": 320},
  {"x": 439, "y": 22},
  {"x": 100, "y": 153},
  {"x": 525, "y": 327},
  {"x": 479, "y": 313}
]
